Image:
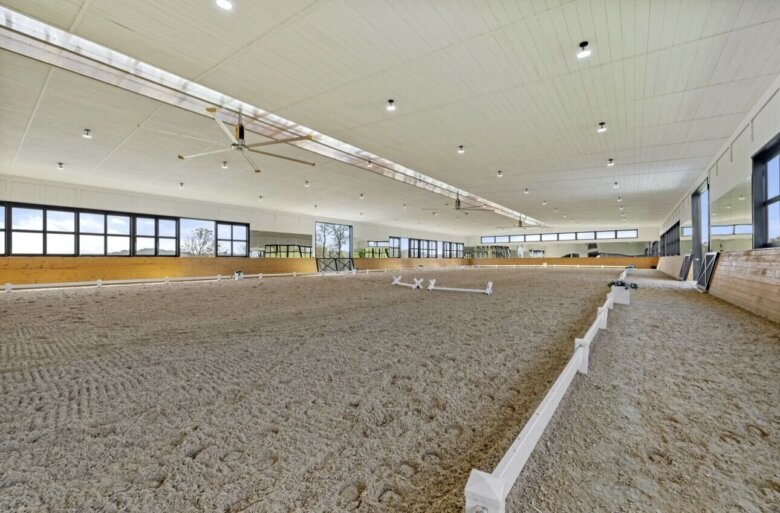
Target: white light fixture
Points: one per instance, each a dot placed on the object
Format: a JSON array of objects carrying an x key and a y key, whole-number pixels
[
  {"x": 390, "y": 105},
  {"x": 602, "y": 127},
  {"x": 315, "y": 205},
  {"x": 227, "y": 5},
  {"x": 610, "y": 162},
  {"x": 544, "y": 202},
  {"x": 369, "y": 163},
  {"x": 461, "y": 150},
  {"x": 87, "y": 134},
  {"x": 362, "y": 195},
  {"x": 181, "y": 185},
  {"x": 525, "y": 191},
  {"x": 555, "y": 210},
  {"x": 499, "y": 173},
  {"x": 584, "y": 51},
  {"x": 259, "y": 198},
  {"x": 306, "y": 183},
  {"x": 404, "y": 205},
  {"x": 741, "y": 198},
  {"x": 60, "y": 166},
  {"x": 361, "y": 214},
  {"x": 224, "y": 164},
  {"x": 615, "y": 185},
  {"x": 620, "y": 199}
]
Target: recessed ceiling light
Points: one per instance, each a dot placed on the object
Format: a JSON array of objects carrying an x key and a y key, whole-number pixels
[
  {"x": 620, "y": 199},
  {"x": 584, "y": 50},
  {"x": 499, "y": 173},
  {"x": 259, "y": 198},
  {"x": 544, "y": 202},
  {"x": 181, "y": 185},
  {"x": 87, "y": 134},
  {"x": 564, "y": 216},
  {"x": 362, "y": 195},
  {"x": 610, "y": 162},
  {"x": 306, "y": 183},
  {"x": 602, "y": 127},
  {"x": 315, "y": 205},
  {"x": 615, "y": 185},
  {"x": 390, "y": 105},
  {"x": 60, "y": 166},
  {"x": 555, "y": 210},
  {"x": 525, "y": 191},
  {"x": 224, "y": 164},
  {"x": 461, "y": 149},
  {"x": 404, "y": 205},
  {"x": 225, "y": 4}
]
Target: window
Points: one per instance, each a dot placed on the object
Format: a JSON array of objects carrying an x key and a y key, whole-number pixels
[
  {"x": 395, "y": 247},
  {"x": 532, "y": 238},
  {"x": 196, "y": 238},
  {"x": 445, "y": 249},
  {"x": 60, "y": 232},
  {"x": 26, "y": 231},
  {"x": 423, "y": 249},
  {"x": 743, "y": 229},
  {"x": 567, "y": 236},
  {"x": 766, "y": 192},
  {"x": 687, "y": 231},
  {"x": 722, "y": 230},
  {"x": 117, "y": 235},
  {"x": 586, "y": 235},
  {"x": 670, "y": 241},
  {"x": 459, "y": 249},
  {"x": 627, "y": 234},
  {"x": 232, "y": 239},
  {"x": 549, "y": 236},
  {"x": 414, "y": 248},
  {"x": 332, "y": 240},
  {"x": 487, "y": 240},
  {"x": 2, "y": 229},
  {"x": 155, "y": 236},
  {"x": 502, "y": 238},
  {"x": 517, "y": 238},
  {"x": 605, "y": 235}
]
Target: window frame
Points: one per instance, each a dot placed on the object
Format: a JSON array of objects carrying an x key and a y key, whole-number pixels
[
  {"x": 762, "y": 202},
  {"x": 232, "y": 240}
]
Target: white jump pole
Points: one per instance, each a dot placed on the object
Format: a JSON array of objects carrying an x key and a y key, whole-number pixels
[
  {"x": 487, "y": 290},
  {"x": 416, "y": 285}
]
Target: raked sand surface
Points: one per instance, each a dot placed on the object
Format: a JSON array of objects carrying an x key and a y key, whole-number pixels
[{"x": 347, "y": 394}]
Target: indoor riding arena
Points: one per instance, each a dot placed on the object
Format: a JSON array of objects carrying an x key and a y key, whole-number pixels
[{"x": 373, "y": 256}]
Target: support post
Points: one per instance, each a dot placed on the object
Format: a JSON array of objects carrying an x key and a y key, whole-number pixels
[
  {"x": 585, "y": 345},
  {"x": 602, "y": 316},
  {"x": 485, "y": 493}
]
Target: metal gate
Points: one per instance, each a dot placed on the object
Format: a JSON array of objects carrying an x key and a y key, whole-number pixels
[
  {"x": 705, "y": 274},
  {"x": 335, "y": 265}
]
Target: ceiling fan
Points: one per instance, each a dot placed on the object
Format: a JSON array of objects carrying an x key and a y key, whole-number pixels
[
  {"x": 237, "y": 143},
  {"x": 458, "y": 206}
]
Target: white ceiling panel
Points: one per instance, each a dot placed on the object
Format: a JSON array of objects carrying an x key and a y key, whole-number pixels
[{"x": 672, "y": 79}]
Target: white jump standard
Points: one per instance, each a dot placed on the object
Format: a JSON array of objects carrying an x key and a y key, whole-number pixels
[
  {"x": 416, "y": 285},
  {"x": 487, "y": 290}
]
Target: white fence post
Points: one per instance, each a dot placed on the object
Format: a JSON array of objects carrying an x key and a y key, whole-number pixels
[
  {"x": 585, "y": 345},
  {"x": 602, "y": 317},
  {"x": 485, "y": 493},
  {"x": 8, "y": 287}
]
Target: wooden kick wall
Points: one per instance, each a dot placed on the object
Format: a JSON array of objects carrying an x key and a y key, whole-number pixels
[
  {"x": 24, "y": 270},
  {"x": 750, "y": 280},
  {"x": 639, "y": 262},
  {"x": 65, "y": 269}
]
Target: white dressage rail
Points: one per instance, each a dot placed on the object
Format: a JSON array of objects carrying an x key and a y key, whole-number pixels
[
  {"x": 487, "y": 492},
  {"x": 487, "y": 290}
]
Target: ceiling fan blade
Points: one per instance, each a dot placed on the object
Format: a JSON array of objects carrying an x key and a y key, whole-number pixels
[
  {"x": 194, "y": 155},
  {"x": 251, "y": 162},
  {"x": 213, "y": 113},
  {"x": 280, "y": 141},
  {"x": 282, "y": 157}
]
